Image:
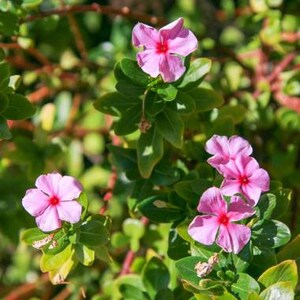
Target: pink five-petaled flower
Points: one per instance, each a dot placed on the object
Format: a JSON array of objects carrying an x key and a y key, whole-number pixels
[
  {"x": 53, "y": 201},
  {"x": 219, "y": 220},
  {"x": 162, "y": 48},
  {"x": 243, "y": 175},
  {"x": 224, "y": 149}
]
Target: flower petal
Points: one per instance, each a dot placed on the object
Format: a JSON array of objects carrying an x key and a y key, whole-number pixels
[
  {"x": 233, "y": 237},
  {"x": 171, "y": 30},
  {"x": 250, "y": 165},
  {"x": 217, "y": 145},
  {"x": 212, "y": 202},
  {"x": 203, "y": 229},
  {"x": 69, "y": 211},
  {"x": 171, "y": 67},
  {"x": 35, "y": 202},
  {"x": 48, "y": 183},
  {"x": 238, "y": 209},
  {"x": 230, "y": 187},
  {"x": 252, "y": 192},
  {"x": 148, "y": 60},
  {"x": 144, "y": 35},
  {"x": 261, "y": 179},
  {"x": 69, "y": 188},
  {"x": 239, "y": 146},
  {"x": 49, "y": 219}
]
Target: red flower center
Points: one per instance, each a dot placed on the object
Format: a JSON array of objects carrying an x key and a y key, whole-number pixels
[
  {"x": 223, "y": 219},
  {"x": 243, "y": 180},
  {"x": 162, "y": 47},
  {"x": 54, "y": 200}
]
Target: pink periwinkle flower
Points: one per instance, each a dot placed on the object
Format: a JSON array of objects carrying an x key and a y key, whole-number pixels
[
  {"x": 224, "y": 149},
  {"x": 53, "y": 201},
  {"x": 243, "y": 175},
  {"x": 218, "y": 221},
  {"x": 162, "y": 48}
]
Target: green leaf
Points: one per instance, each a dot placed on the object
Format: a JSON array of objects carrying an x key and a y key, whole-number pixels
[
  {"x": 244, "y": 285},
  {"x": 265, "y": 206},
  {"x": 164, "y": 174},
  {"x": 59, "y": 243},
  {"x": 83, "y": 200},
  {"x": 126, "y": 88},
  {"x": 264, "y": 257},
  {"x": 283, "y": 200},
  {"x": 93, "y": 233},
  {"x": 165, "y": 294},
  {"x": 130, "y": 292},
  {"x": 149, "y": 151},
  {"x": 157, "y": 209},
  {"x": 186, "y": 269},
  {"x": 253, "y": 296},
  {"x": 129, "y": 121},
  {"x": 284, "y": 271},
  {"x": 2, "y": 55},
  {"x": 170, "y": 125},
  {"x": 115, "y": 104},
  {"x": 195, "y": 73},
  {"x": 153, "y": 103},
  {"x": 85, "y": 254},
  {"x": 270, "y": 233},
  {"x": 4, "y": 130},
  {"x": 178, "y": 247},
  {"x": 31, "y": 235},
  {"x": 31, "y": 4},
  {"x": 291, "y": 250},
  {"x": 191, "y": 190},
  {"x": 206, "y": 99},
  {"x": 8, "y": 23},
  {"x": 4, "y": 71},
  {"x": 183, "y": 104},
  {"x": 132, "y": 70},
  {"x": 133, "y": 228},
  {"x": 167, "y": 92},
  {"x": 278, "y": 291},
  {"x": 18, "y": 108},
  {"x": 155, "y": 276}
]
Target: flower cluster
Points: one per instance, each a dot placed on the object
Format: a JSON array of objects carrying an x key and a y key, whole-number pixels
[
  {"x": 243, "y": 180},
  {"x": 53, "y": 201},
  {"x": 161, "y": 49}
]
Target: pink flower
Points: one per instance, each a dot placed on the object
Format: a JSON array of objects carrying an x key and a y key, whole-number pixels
[
  {"x": 162, "y": 48},
  {"x": 218, "y": 221},
  {"x": 53, "y": 201},
  {"x": 224, "y": 149},
  {"x": 243, "y": 175}
]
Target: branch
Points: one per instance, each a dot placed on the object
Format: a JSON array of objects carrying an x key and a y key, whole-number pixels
[{"x": 102, "y": 9}]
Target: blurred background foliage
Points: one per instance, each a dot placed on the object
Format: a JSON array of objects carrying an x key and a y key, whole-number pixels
[{"x": 65, "y": 51}]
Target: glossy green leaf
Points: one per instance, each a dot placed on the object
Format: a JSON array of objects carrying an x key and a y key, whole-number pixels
[
  {"x": 93, "y": 233},
  {"x": 165, "y": 294},
  {"x": 270, "y": 233},
  {"x": 167, "y": 92},
  {"x": 163, "y": 174},
  {"x": 84, "y": 254},
  {"x": 206, "y": 99},
  {"x": 126, "y": 88},
  {"x": 31, "y": 235},
  {"x": 8, "y": 23},
  {"x": 149, "y": 151},
  {"x": 18, "y": 108},
  {"x": 155, "y": 276},
  {"x": 265, "y": 206},
  {"x": 278, "y": 291},
  {"x": 133, "y": 228},
  {"x": 129, "y": 121},
  {"x": 59, "y": 243},
  {"x": 2, "y": 54},
  {"x": 4, "y": 129},
  {"x": 83, "y": 200},
  {"x": 195, "y": 73},
  {"x": 153, "y": 103},
  {"x": 237, "y": 112},
  {"x": 132, "y": 70},
  {"x": 115, "y": 104},
  {"x": 158, "y": 209},
  {"x": 285, "y": 271},
  {"x": 130, "y": 292},
  {"x": 183, "y": 104},
  {"x": 178, "y": 247},
  {"x": 244, "y": 285},
  {"x": 291, "y": 250},
  {"x": 186, "y": 269},
  {"x": 4, "y": 71},
  {"x": 253, "y": 296},
  {"x": 170, "y": 125}
]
